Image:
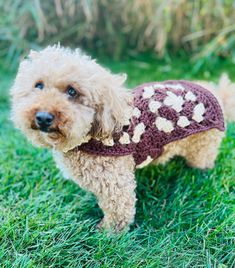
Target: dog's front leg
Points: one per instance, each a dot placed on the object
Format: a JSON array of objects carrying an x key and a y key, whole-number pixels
[
  {"x": 112, "y": 181},
  {"x": 117, "y": 200}
]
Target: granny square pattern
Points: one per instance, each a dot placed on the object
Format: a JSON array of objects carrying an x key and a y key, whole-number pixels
[{"x": 162, "y": 112}]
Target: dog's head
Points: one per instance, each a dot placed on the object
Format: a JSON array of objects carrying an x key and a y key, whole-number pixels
[{"x": 62, "y": 98}]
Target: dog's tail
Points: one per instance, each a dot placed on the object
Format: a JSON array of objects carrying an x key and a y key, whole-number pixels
[{"x": 226, "y": 92}]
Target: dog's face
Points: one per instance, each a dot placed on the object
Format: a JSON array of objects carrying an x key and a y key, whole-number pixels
[{"x": 61, "y": 98}]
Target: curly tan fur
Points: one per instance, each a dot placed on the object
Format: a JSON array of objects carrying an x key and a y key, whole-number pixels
[{"x": 102, "y": 107}]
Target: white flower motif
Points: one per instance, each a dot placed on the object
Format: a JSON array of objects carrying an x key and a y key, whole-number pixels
[
  {"x": 163, "y": 124},
  {"x": 183, "y": 121},
  {"x": 125, "y": 138},
  {"x": 190, "y": 96},
  {"x": 108, "y": 142},
  {"x": 148, "y": 92},
  {"x": 198, "y": 112},
  {"x": 138, "y": 131},
  {"x": 148, "y": 160},
  {"x": 154, "y": 106},
  {"x": 136, "y": 112},
  {"x": 174, "y": 101}
]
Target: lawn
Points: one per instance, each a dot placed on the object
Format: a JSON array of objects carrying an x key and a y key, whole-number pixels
[{"x": 185, "y": 217}]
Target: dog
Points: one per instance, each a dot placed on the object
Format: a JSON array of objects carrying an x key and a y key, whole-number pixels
[{"x": 100, "y": 132}]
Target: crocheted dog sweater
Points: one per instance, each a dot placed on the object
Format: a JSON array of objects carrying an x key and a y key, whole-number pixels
[{"x": 162, "y": 113}]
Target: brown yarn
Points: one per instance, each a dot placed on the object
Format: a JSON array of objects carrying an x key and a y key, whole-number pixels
[{"x": 152, "y": 140}]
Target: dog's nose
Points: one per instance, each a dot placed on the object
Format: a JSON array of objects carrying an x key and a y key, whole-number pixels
[{"x": 44, "y": 119}]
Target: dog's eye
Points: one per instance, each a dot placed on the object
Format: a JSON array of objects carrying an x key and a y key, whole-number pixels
[
  {"x": 39, "y": 85},
  {"x": 72, "y": 92}
]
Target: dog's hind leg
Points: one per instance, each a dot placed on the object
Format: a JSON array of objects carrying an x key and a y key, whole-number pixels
[{"x": 202, "y": 149}]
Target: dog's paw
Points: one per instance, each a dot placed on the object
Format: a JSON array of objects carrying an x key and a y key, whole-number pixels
[
  {"x": 100, "y": 225},
  {"x": 113, "y": 227}
]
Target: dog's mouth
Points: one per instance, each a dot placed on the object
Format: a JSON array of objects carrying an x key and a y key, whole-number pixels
[{"x": 53, "y": 132}]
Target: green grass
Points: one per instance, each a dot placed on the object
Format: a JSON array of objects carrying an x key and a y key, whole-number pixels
[{"x": 185, "y": 217}]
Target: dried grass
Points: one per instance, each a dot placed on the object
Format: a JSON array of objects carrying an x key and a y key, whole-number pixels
[{"x": 203, "y": 28}]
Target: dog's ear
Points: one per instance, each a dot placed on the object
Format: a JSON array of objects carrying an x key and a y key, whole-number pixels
[{"x": 111, "y": 112}]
